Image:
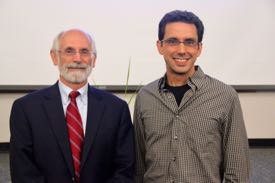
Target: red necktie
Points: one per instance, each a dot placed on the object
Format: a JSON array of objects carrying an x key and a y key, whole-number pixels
[{"x": 75, "y": 130}]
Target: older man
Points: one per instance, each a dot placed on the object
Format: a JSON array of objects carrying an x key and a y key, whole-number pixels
[{"x": 70, "y": 131}]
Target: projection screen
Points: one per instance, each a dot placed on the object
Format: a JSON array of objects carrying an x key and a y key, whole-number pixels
[{"x": 238, "y": 44}]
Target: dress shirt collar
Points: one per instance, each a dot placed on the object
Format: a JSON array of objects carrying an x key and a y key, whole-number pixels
[
  {"x": 195, "y": 82},
  {"x": 65, "y": 91}
]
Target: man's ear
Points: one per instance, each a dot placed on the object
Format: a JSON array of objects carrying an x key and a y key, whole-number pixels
[
  {"x": 93, "y": 61},
  {"x": 199, "y": 49},
  {"x": 54, "y": 57},
  {"x": 160, "y": 47}
]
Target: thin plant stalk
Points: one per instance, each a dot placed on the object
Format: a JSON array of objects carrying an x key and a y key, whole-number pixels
[
  {"x": 95, "y": 85},
  {"x": 132, "y": 96},
  {"x": 128, "y": 76}
]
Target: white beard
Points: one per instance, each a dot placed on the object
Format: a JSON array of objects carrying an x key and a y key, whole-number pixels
[{"x": 77, "y": 76}]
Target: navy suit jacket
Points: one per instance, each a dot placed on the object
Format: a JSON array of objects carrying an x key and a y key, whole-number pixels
[{"x": 39, "y": 146}]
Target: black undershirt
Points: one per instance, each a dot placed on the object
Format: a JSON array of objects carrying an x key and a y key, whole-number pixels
[{"x": 178, "y": 91}]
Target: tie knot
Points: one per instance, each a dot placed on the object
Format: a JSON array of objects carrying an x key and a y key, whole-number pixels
[{"x": 74, "y": 94}]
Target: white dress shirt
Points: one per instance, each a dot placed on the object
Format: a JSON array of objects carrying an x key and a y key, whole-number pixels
[{"x": 81, "y": 100}]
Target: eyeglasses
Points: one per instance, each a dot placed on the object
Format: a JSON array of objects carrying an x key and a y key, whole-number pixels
[
  {"x": 190, "y": 43},
  {"x": 72, "y": 52}
]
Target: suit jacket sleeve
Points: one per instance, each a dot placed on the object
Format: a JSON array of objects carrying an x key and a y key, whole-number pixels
[
  {"x": 22, "y": 165},
  {"x": 125, "y": 154}
]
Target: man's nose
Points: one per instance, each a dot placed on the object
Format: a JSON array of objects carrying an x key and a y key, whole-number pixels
[
  {"x": 181, "y": 48},
  {"x": 77, "y": 56}
]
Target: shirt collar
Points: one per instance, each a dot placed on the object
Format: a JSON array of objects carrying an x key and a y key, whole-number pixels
[
  {"x": 195, "y": 81},
  {"x": 65, "y": 91}
]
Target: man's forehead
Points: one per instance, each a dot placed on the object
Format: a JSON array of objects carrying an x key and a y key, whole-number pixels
[
  {"x": 175, "y": 29},
  {"x": 74, "y": 38}
]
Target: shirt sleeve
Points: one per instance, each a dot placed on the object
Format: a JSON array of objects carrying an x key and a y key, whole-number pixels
[{"x": 235, "y": 145}]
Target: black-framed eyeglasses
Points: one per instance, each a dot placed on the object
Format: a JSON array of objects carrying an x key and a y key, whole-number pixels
[
  {"x": 72, "y": 52},
  {"x": 190, "y": 43}
]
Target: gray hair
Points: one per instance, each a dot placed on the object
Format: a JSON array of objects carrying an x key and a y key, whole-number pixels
[{"x": 55, "y": 45}]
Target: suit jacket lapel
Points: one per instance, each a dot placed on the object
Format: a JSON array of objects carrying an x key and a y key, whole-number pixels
[
  {"x": 54, "y": 110},
  {"x": 94, "y": 115}
]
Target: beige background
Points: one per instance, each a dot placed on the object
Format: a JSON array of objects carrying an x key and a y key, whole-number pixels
[{"x": 258, "y": 109}]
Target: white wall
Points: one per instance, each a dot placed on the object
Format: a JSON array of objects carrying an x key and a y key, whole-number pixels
[
  {"x": 258, "y": 109},
  {"x": 238, "y": 44}
]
